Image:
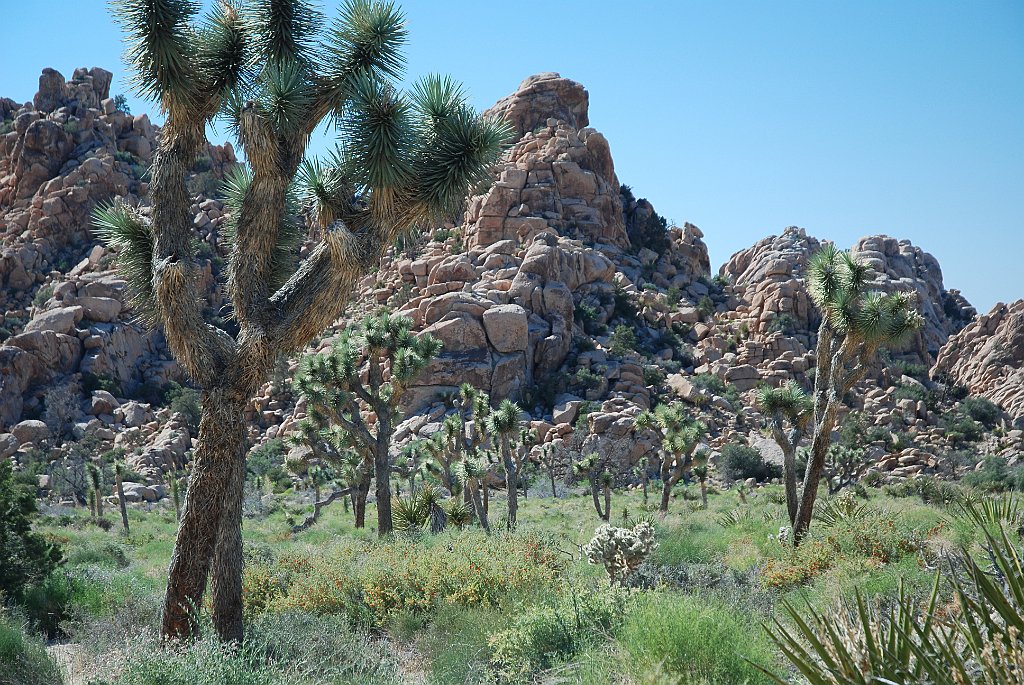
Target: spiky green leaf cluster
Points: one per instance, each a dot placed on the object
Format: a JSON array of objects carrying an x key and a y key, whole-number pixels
[
  {"x": 680, "y": 433},
  {"x": 838, "y": 284},
  {"x": 126, "y": 231},
  {"x": 789, "y": 400},
  {"x": 864, "y": 644}
]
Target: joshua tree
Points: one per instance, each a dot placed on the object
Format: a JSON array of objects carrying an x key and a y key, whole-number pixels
[
  {"x": 119, "y": 489},
  {"x": 460, "y": 448},
  {"x": 337, "y": 396},
  {"x": 855, "y": 323},
  {"x": 787, "y": 404},
  {"x": 680, "y": 434},
  {"x": 593, "y": 468},
  {"x": 549, "y": 460},
  {"x": 404, "y": 162},
  {"x": 513, "y": 444}
]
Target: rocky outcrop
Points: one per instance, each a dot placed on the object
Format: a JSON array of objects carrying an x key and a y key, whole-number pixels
[
  {"x": 987, "y": 357},
  {"x": 768, "y": 280},
  {"x": 559, "y": 175}
]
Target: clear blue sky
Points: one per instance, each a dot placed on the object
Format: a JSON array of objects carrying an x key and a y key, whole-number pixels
[{"x": 846, "y": 118}]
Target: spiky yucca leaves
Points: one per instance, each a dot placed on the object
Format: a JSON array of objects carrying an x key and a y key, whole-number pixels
[
  {"x": 980, "y": 639},
  {"x": 788, "y": 404},
  {"x": 124, "y": 229},
  {"x": 680, "y": 434},
  {"x": 337, "y": 396},
  {"x": 855, "y": 324}
]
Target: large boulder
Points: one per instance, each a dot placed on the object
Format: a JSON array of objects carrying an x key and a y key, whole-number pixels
[
  {"x": 31, "y": 431},
  {"x": 541, "y": 97},
  {"x": 507, "y": 327}
]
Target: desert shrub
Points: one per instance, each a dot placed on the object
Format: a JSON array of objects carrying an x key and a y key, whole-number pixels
[
  {"x": 716, "y": 386},
  {"x": 783, "y": 323},
  {"x": 622, "y": 340},
  {"x": 959, "y": 428},
  {"x": 850, "y": 532},
  {"x": 186, "y": 401},
  {"x": 23, "y": 658},
  {"x": 620, "y": 550},
  {"x": 92, "y": 382},
  {"x": 42, "y": 295},
  {"x": 322, "y": 649},
  {"x": 739, "y": 462},
  {"x": 588, "y": 379},
  {"x": 706, "y": 307},
  {"x": 267, "y": 461},
  {"x": 555, "y": 631},
  {"x": 26, "y": 558},
  {"x": 372, "y": 582},
  {"x": 457, "y": 644},
  {"x": 696, "y": 639},
  {"x": 995, "y": 475},
  {"x": 982, "y": 410},
  {"x": 205, "y": 661}
]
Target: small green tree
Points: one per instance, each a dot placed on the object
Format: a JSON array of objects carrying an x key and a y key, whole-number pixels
[
  {"x": 338, "y": 399},
  {"x": 680, "y": 435},
  {"x": 789, "y": 411},
  {"x": 549, "y": 455},
  {"x": 25, "y": 556},
  {"x": 506, "y": 430},
  {"x": 855, "y": 324}
]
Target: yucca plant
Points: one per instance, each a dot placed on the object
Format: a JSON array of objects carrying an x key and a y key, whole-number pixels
[
  {"x": 845, "y": 507},
  {"x": 855, "y": 324},
  {"x": 680, "y": 435},
  {"x": 978, "y": 640},
  {"x": 993, "y": 510},
  {"x": 275, "y": 73},
  {"x": 337, "y": 398}
]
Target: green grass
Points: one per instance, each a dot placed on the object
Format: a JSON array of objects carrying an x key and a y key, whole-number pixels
[{"x": 437, "y": 607}]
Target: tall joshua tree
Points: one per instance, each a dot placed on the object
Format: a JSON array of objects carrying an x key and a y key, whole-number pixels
[
  {"x": 275, "y": 74},
  {"x": 855, "y": 323},
  {"x": 680, "y": 435},
  {"x": 788, "y": 406},
  {"x": 383, "y": 347}
]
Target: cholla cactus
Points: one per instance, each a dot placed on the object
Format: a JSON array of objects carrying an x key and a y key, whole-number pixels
[{"x": 621, "y": 550}]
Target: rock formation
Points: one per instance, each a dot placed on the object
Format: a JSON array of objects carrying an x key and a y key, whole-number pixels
[{"x": 987, "y": 357}]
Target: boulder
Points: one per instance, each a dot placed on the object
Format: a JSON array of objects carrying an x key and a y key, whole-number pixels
[
  {"x": 30, "y": 431},
  {"x": 507, "y": 327},
  {"x": 59, "y": 320}
]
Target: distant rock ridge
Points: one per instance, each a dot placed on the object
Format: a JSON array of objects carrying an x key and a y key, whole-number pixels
[{"x": 987, "y": 357}]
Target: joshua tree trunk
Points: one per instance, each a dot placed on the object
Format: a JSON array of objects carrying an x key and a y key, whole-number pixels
[
  {"x": 359, "y": 494},
  {"x": 607, "y": 502},
  {"x": 815, "y": 467},
  {"x": 119, "y": 485},
  {"x": 595, "y": 495},
  {"x": 382, "y": 474},
  {"x": 666, "y": 492},
  {"x": 703, "y": 493},
  {"x": 554, "y": 491},
  {"x": 511, "y": 485},
  {"x": 478, "y": 506},
  {"x": 210, "y": 525},
  {"x": 318, "y": 506}
]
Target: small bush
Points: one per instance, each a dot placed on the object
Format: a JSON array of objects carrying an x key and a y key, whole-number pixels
[
  {"x": 694, "y": 639},
  {"x": 982, "y": 410},
  {"x": 739, "y": 462},
  {"x": 543, "y": 636},
  {"x": 623, "y": 340},
  {"x": 186, "y": 401},
  {"x": 620, "y": 550},
  {"x": 23, "y": 658},
  {"x": 995, "y": 475},
  {"x": 26, "y": 558}
]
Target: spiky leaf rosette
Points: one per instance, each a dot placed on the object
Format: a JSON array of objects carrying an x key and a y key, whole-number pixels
[
  {"x": 125, "y": 230},
  {"x": 838, "y": 284},
  {"x": 789, "y": 400}
]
